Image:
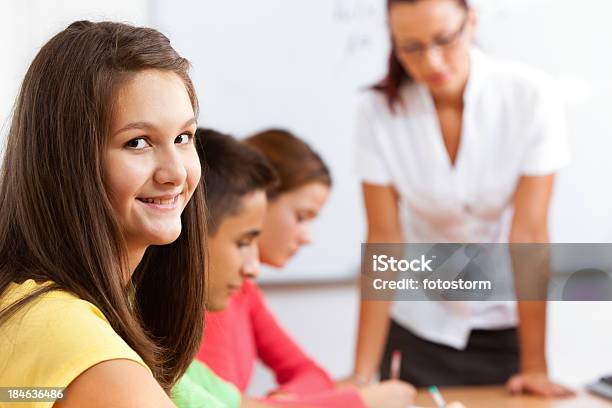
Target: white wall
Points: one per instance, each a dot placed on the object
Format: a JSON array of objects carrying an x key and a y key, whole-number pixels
[
  {"x": 297, "y": 64},
  {"x": 25, "y": 25},
  {"x": 569, "y": 40}
]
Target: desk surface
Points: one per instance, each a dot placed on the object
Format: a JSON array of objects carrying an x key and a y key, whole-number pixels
[{"x": 497, "y": 397}]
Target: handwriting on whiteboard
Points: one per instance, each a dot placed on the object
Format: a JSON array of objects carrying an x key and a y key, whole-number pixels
[{"x": 362, "y": 22}]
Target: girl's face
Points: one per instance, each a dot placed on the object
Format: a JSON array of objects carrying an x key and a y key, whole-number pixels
[
  {"x": 432, "y": 39},
  {"x": 287, "y": 224},
  {"x": 151, "y": 166}
]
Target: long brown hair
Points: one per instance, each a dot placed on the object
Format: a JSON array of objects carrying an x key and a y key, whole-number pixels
[
  {"x": 57, "y": 223},
  {"x": 296, "y": 163},
  {"x": 397, "y": 76}
]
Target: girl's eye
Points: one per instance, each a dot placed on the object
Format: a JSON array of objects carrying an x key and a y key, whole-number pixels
[
  {"x": 137, "y": 144},
  {"x": 411, "y": 48},
  {"x": 445, "y": 40},
  {"x": 243, "y": 244},
  {"x": 183, "y": 138}
]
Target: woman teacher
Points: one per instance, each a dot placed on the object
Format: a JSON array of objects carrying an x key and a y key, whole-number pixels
[{"x": 456, "y": 146}]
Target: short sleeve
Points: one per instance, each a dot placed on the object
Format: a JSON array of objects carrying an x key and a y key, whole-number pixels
[
  {"x": 200, "y": 387},
  {"x": 368, "y": 161},
  {"x": 548, "y": 148},
  {"x": 54, "y": 339}
]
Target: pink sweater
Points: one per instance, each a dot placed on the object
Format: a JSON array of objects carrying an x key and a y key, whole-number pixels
[{"x": 246, "y": 331}]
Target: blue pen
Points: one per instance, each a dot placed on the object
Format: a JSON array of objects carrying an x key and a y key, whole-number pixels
[{"x": 437, "y": 397}]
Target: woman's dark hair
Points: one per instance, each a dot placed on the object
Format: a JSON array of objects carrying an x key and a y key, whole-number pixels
[
  {"x": 230, "y": 170},
  {"x": 57, "y": 223},
  {"x": 396, "y": 75},
  {"x": 296, "y": 163}
]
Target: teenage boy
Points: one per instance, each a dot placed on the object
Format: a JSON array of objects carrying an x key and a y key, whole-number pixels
[{"x": 236, "y": 179}]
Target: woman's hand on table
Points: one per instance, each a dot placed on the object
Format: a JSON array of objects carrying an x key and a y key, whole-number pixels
[{"x": 538, "y": 383}]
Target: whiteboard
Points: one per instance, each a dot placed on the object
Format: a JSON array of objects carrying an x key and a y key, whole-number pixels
[
  {"x": 301, "y": 64},
  {"x": 297, "y": 65}
]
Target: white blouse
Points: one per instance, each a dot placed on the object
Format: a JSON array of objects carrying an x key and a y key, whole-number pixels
[{"x": 513, "y": 125}]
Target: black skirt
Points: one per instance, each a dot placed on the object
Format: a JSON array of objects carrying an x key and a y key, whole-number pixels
[{"x": 491, "y": 357}]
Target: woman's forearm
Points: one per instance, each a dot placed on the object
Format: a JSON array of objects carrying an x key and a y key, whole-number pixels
[
  {"x": 381, "y": 205},
  {"x": 532, "y": 335},
  {"x": 532, "y": 312},
  {"x": 530, "y": 226},
  {"x": 371, "y": 337}
]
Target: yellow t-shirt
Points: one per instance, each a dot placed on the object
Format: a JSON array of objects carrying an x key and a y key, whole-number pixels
[{"x": 53, "y": 339}]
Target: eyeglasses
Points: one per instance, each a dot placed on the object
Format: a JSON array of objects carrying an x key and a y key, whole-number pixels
[{"x": 414, "y": 50}]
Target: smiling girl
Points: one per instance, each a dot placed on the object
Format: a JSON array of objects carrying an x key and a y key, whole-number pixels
[{"x": 101, "y": 225}]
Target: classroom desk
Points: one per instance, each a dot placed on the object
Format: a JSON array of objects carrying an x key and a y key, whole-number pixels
[{"x": 497, "y": 397}]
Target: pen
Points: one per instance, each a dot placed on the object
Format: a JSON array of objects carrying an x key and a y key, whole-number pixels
[
  {"x": 396, "y": 364},
  {"x": 437, "y": 397}
]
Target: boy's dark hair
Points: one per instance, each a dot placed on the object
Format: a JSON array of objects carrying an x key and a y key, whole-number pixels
[{"x": 230, "y": 170}]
